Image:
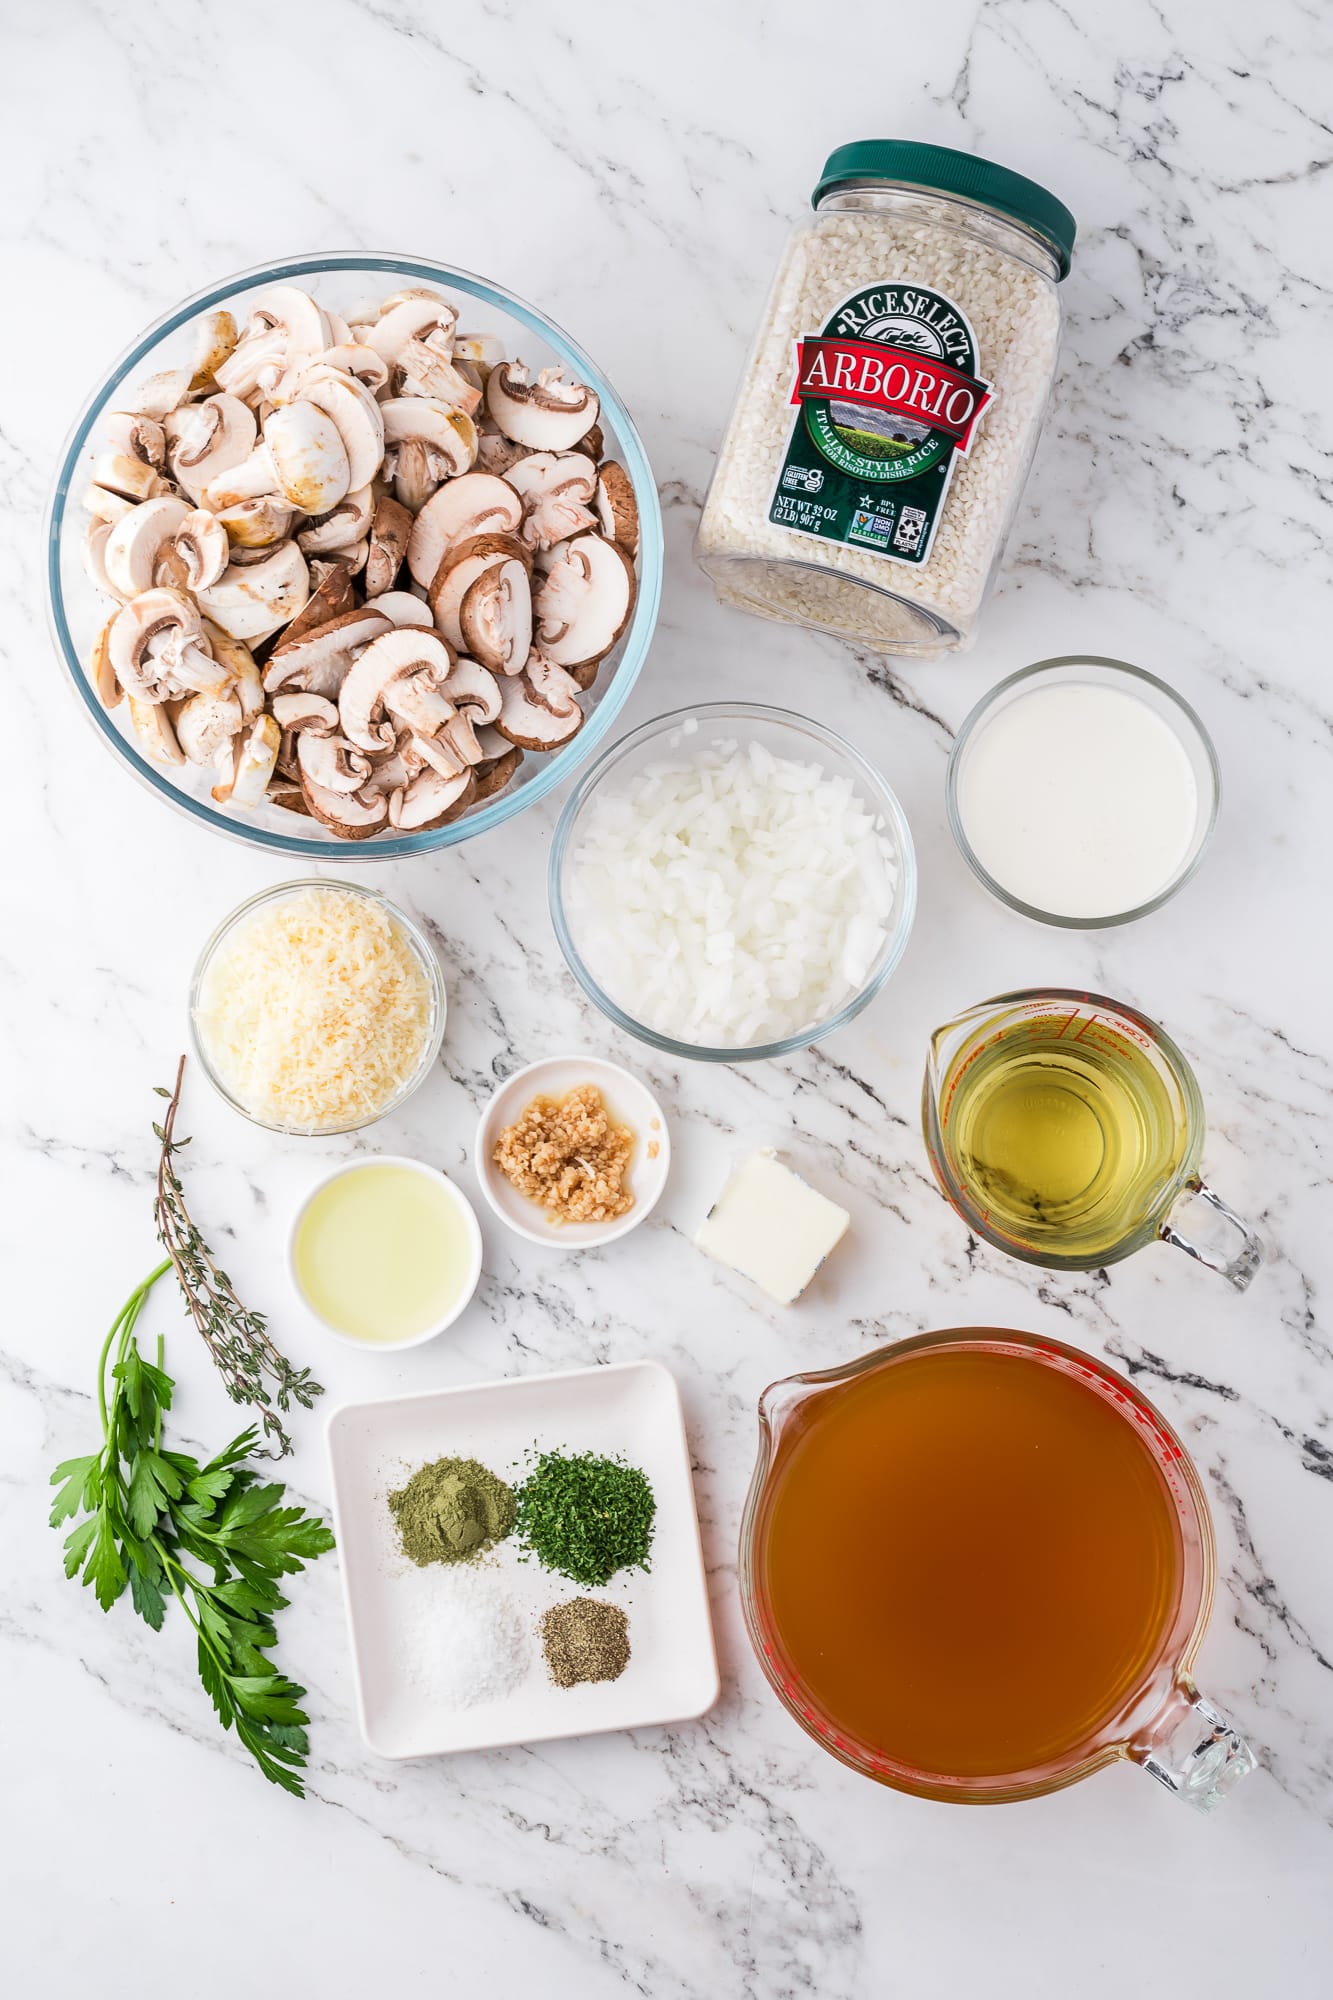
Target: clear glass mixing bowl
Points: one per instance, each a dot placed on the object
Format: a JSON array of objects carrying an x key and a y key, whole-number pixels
[
  {"x": 785, "y": 734},
  {"x": 78, "y": 610}
]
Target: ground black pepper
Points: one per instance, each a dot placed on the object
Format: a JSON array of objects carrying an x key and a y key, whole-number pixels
[{"x": 585, "y": 1640}]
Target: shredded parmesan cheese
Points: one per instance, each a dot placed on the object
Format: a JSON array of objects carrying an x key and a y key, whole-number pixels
[{"x": 314, "y": 1014}]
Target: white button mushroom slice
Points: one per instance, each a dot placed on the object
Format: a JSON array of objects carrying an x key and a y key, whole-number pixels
[
  {"x": 339, "y": 330},
  {"x": 136, "y": 437},
  {"x": 550, "y": 414},
  {"x": 617, "y": 509},
  {"x": 199, "y": 547},
  {"x": 355, "y": 415},
  {"x": 136, "y": 543},
  {"x": 495, "y": 617},
  {"x": 158, "y": 395},
  {"x": 431, "y": 800},
  {"x": 284, "y": 332},
  {"x": 158, "y": 648},
  {"x": 206, "y": 439},
  {"x": 308, "y": 456},
  {"x": 415, "y": 472},
  {"x": 252, "y": 600},
  {"x": 256, "y": 477},
  {"x": 354, "y": 815},
  {"x": 472, "y": 687},
  {"x": 205, "y": 723},
  {"x": 358, "y": 359},
  {"x": 258, "y": 523},
  {"x": 476, "y": 504},
  {"x": 341, "y": 527},
  {"x": 390, "y": 531},
  {"x": 584, "y": 602},
  {"x": 413, "y": 316},
  {"x": 95, "y": 538},
  {"x": 401, "y": 608},
  {"x": 215, "y": 337},
  {"x": 243, "y": 675},
  {"x": 423, "y": 371},
  {"x": 556, "y": 489},
  {"x": 459, "y": 569},
  {"x": 104, "y": 505},
  {"x": 483, "y": 349},
  {"x": 450, "y": 434},
  {"x": 305, "y": 711},
  {"x": 257, "y": 357},
  {"x": 539, "y": 707},
  {"x": 396, "y": 654},
  {"x": 319, "y": 659},
  {"x": 254, "y": 757},
  {"x": 330, "y": 761},
  {"x": 132, "y": 478},
  {"x": 101, "y": 673},
  {"x": 157, "y": 738}
]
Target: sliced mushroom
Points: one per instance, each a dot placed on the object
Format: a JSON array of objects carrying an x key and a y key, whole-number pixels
[
  {"x": 137, "y": 437},
  {"x": 254, "y": 756},
  {"x": 132, "y": 478},
  {"x": 423, "y": 370},
  {"x": 354, "y": 413},
  {"x": 215, "y": 338},
  {"x": 556, "y": 489},
  {"x": 476, "y": 504},
  {"x": 459, "y": 569},
  {"x": 355, "y": 815},
  {"x": 330, "y": 762},
  {"x": 158, "y": 395},
  {"x": 472, "y": 687},
  {"x": 358, "y": 359},
  {"x": 414, "y": 701},
  {"x": 284, "y": 332},
  {"x": 412, "y": 316},
  {"x": 198, "y": 550},
  {"x": 401, "y": 608},
  {"x": 438, "y": 752},
  {"x": 584, "y": 602},
  {"x": 449, "y": 433},
  {"x": 95, "y": 538},
  {"x": 136, "y": 543},
  {"x": 484, "y": 350},
  {"x": 617, "y": 509},
  {"x": 390, "y": 532},
  {"x": 157, "y": 738},
  {"x": 416, "y": 470},
  {"x": 394, "y": 656},
  {"x": 592, "y": 444},
  {"x": 305, "y": 711},
  {"x": 104, "y": 505},
  {"x": 242, "y": 673},
  {"x": 205, "y": 440},
  {"x": 252, "y": 600},
  {"x": 157, "y": 648},
  {"x": 205, "y": 723},
  {"x": 309, "y": 457},
  {"x": 539, "y": 707},
  {"x": 494, "y": 772},
  {"x": 100, "y": 670},
  {"x": 319, "y": 659},
  {"x": 341, "y": 528},
  {"x": 256, "y": 477},
  {"x": 550, "y": 414},
  {"x": 495, "y": 617},
  {"x": 258, "y": 523},
  {"x": 431, "y": 800},
  {"x": 497, "y": 453}
]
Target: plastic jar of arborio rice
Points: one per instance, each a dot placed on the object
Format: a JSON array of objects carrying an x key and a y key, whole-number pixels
[{"x": 891, "y": 404}]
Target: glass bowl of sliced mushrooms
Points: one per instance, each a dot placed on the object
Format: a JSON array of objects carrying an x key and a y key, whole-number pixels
[{"x": 353, "y": 548}]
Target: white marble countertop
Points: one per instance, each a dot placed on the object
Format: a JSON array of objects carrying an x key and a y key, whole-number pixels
[{"x": 634, "y": 172}]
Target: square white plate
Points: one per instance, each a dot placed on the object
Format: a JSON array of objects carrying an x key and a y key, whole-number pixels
[{"x": 630, "y": 1409}]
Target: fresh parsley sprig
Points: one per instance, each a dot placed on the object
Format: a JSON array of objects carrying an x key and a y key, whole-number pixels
[{"x": 213, "y": 1537}]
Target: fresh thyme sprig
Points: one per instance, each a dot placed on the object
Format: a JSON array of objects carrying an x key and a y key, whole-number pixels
[
  {"x": 236, "y": 1338},
  {"x": 210, "y": 1536}
]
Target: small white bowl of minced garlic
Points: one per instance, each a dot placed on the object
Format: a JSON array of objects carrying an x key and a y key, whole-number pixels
[{"x": 573, "y": 1152}]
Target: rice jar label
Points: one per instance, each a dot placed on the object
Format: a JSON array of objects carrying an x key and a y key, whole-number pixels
[{"x": 889, "y": 397}]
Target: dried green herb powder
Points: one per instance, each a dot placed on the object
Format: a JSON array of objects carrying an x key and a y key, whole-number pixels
[
  {"x": 586, "y": 1516},
  {"x": 451, "y": 1511}
]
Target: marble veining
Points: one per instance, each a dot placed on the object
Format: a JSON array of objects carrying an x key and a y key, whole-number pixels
[{"x": 634, "y": 172}]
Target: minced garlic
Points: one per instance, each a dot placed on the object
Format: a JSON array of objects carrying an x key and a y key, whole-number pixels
[{"x": 565, "y": 1154}]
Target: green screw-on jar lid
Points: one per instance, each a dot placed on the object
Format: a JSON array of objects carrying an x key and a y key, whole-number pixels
[{"x": 906, "y": 163}]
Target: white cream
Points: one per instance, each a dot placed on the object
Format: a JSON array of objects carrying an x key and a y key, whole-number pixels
[{"x": 1079, "y": 800}]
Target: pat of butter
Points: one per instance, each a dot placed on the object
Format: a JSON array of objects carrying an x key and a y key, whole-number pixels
[{"x": 772, "y": 1227}]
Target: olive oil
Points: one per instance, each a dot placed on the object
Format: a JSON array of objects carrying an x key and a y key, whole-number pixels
[
  {"x": 383, "y": 1253},
  {"x": 1064, "y": 1141}
]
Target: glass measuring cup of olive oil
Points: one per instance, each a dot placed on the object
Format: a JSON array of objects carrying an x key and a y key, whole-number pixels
[{"x": 1066, "y": 1128}]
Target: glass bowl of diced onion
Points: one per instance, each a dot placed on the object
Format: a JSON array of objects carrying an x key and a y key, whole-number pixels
[{"x": 761, "y": 952}]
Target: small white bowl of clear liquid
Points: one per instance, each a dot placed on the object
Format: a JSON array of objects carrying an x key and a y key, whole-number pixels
[{"x": 1083, "y": 792}]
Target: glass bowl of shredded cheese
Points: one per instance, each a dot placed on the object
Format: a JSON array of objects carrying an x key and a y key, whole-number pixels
[{"x": 317, "y": 1007}]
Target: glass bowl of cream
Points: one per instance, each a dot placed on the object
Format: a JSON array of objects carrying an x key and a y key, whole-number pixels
[{"x": 1083, "y": 792}]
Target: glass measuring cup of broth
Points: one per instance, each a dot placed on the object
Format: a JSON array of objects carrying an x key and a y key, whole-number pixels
[
  {"x": 1067, "y": 1129},
  {"x": 978, "y": 1566}
]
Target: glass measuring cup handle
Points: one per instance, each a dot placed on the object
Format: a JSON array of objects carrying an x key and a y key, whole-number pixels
[
  {"x": 1192, "y": 1749},
  {"x": 1238, "y": 1269}
]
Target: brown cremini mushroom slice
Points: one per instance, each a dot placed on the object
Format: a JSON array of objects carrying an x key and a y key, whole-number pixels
[
  {"x": 390, "y": 531},
  {"x": 617, "y": 509},
  {"x": 494, "y": 773},
  {"x": 354, "y": 815},
  {"x": 431, "y": 800},
  {"x": 496, "y": 453},
  {"x": 319, "y": 659},
  {"x": 550, "y": 414},
  {"x": 459, "y": 569},
  {"x": 472, "y": 687},
  {"x": 495, "y": 617},
  {"x": 331, "y": 597},
  {"x": 396, "y": 655},
  {"x": 330, "y": 761},
  {"x": 206, "y": 440},
  {"x": 157, "y": 648},
  {"x": 254, "y": 756},
  {"x": 592, "y": 444},
  {"x": 253, "y": 600},
  {"x": 583, "y": 603},
  {"x": 556, "y": 489},
  {"x": 539, "y": 708},
  {"x": 206, "y": 723},
  {"x": 478, "y": 503}
]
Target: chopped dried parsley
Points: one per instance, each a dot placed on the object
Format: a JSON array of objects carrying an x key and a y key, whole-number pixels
[{"x": 585, "y": 1516}]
